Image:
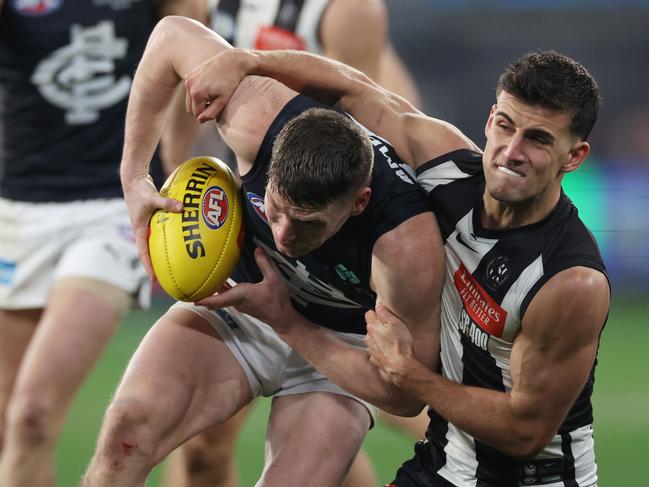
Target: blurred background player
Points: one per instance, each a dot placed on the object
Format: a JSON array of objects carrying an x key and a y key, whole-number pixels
[
  {"x": 331, "y": 28},
  {"x": 69, "y": 267}
]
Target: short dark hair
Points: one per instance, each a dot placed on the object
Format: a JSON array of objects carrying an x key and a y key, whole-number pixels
[
  {"x": 555, "y": 81},
  {"x": 318, "y": 157}
]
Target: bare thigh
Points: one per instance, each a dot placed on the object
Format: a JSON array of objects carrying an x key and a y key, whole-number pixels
[
  {"x": 181, "y": 380},
  {"x": 72, "y": 332},
  {"x": 313, "y": 439}
]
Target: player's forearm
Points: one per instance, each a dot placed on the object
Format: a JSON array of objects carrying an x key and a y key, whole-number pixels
[
  {"x": 179, "y": 135},
  {"x": 152, "y": 91},
  {"x": 325, "y": 79},
  {"x": 499, "y": 419},
  {"x": 349, "y": 367}
]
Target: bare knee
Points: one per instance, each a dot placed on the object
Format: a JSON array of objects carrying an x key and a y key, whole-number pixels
[
  {"x": 126, "y": 435},
  {"x": 31, "y": 422},
  {"x": 209, "y": 455}
]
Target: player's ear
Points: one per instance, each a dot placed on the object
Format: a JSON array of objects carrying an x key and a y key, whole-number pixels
[
  {"x": 577, "y": 155},
  {"x": 361, "y": 199},
  {"x": 490, "y": 119}
]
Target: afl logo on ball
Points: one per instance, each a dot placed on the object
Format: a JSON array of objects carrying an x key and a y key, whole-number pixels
[
  {"x": 257, "y": 203},
  {"x": 35, "y": 7},
  {"x": 215, "y": 207}
]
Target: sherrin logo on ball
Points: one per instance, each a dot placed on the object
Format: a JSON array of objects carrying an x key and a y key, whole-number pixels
[{"x": 195, "y": 251}]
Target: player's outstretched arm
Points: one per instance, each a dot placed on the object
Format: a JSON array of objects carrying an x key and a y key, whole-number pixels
[
  {"x": 550, "y": 362},
  {"x": 416, "y": 137}
]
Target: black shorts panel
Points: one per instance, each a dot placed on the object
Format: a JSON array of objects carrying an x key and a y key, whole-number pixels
[{"x": 420, "y": 470}]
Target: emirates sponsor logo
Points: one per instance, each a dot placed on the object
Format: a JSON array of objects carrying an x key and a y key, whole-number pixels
[
  {"x": 479, "y": 305},
  {"x": 270, "y": 38}
]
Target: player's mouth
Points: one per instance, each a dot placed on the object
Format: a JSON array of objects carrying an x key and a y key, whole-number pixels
[{"x": 509, "y": 171}]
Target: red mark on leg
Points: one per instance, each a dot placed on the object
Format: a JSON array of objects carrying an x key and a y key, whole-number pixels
[{"x": 127, "y": 448}]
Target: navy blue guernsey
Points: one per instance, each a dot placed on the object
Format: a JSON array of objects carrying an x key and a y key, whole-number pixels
[
  {"x": 330, "y": 285},
  {"x": 66, "y": 68},
  {"x": 491, "y": 278}
]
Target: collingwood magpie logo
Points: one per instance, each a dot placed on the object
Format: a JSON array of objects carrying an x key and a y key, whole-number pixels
[
  {"x": 497, "y": 272},
  {"x": 79, "y": 77}
]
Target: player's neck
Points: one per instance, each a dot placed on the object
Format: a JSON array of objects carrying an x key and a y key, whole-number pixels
[{"x": 501, "y": 215}]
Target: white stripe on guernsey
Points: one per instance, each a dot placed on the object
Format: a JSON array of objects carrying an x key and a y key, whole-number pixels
[
  {"x": 517, "y": 293},
  {"x": 459, "y": 461},
  {"x": 308, "y": 24},
  {"x": 500, "y": 349},
  {"x": 261, "y": 12},
  {"x": 480, "y": 246},
  {"x": 583, "y": 451},
  {"x": 444, "y": 173}
]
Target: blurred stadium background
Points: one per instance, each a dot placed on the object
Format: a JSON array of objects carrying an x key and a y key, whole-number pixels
[{"x": 456, "y": 49}]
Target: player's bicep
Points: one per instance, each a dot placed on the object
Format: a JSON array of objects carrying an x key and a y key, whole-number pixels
[
  {"x": 555, "y": 350},
  {"x": 407, "y": 275}
]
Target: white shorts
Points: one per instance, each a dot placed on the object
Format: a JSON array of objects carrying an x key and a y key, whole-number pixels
[
  {"x": 41, "y": 243},
  {"x": 272, "y": 367}
]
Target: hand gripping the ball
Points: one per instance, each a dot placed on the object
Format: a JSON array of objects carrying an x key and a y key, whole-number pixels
[
  {"x": 195, "y": 251},
  {"x": 268, "y": 301},
  {"x": 142, "y": 199}
]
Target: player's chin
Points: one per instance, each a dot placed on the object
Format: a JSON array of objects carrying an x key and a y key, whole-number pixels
[
  {"x": 295, "y": 253},
  {"x": 507, "y": 193},
  {"x": 292, "y": 250}
]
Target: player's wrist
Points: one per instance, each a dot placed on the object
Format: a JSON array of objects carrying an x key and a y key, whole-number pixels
[
  {"x": 248, "y": 62},
  {"x": 131, "y": 177}
]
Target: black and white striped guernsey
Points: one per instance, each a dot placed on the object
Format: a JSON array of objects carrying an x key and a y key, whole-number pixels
[
  {"x": 270, "y": 24},
  {"x": 491, "y": 277}
]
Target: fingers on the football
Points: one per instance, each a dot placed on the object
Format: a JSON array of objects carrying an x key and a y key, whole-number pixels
[
  {"x": 220, "y": 300},
  {"x": 169, "y": 204}
]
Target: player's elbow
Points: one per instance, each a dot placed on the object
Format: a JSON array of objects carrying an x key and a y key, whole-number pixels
[
  {"x": 167, "y": 26},
  {"x": 528, "y": 441},
  {"x": 169, "y": 30},
  {"x": 407, "y": 408}
]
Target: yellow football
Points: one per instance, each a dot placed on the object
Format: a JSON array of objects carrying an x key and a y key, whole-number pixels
[{"x": 195, "y": 251}]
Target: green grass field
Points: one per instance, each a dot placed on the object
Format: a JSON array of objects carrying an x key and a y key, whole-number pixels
[{"x": 621, "y": 406}]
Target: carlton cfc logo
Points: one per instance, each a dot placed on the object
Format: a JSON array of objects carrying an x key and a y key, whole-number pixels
[
  {"x": 35, "y": 7},
  {"x": 215, "y": 207}
]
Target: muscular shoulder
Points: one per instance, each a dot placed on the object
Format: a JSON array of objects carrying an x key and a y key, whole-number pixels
[
  {"x": 194, "y": 9},
  {"x": 356, "y": 13},
  {"x": 355, "y": 33},
  {"x": 571, "y": 307}
]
